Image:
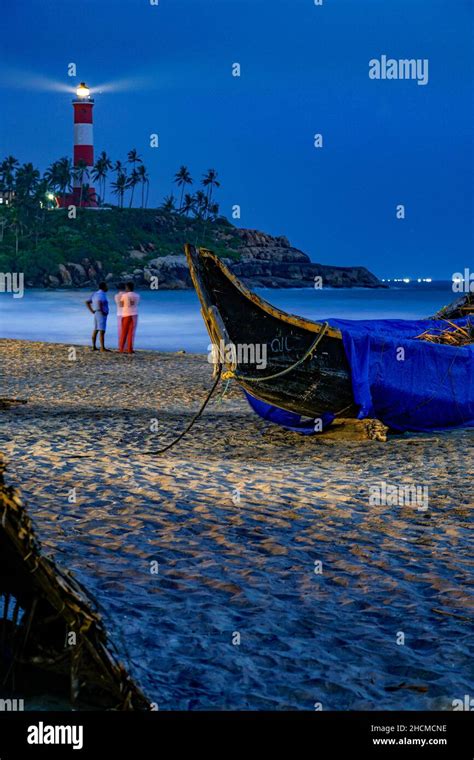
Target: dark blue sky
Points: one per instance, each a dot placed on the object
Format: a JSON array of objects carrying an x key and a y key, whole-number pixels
[{"x": 304, "y": 70}]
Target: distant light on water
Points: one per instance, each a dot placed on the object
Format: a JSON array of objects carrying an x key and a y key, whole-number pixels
[{"x": 406, "y": 280}]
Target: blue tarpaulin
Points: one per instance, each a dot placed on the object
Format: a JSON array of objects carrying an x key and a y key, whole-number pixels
[
  {"x": 406, "y": 383},
  {"x": 288, "y": 420}
]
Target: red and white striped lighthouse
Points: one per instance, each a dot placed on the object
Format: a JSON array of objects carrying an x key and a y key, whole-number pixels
[{"x": 83, "y": 147}]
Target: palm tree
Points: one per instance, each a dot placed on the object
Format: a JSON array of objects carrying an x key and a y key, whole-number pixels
[
  {"x": 213, "y": 209},
  {"x": 17, "y": 225},
  {"x": 133, "y": 157},
  {"x": 210, "y": 181},
  {"x": 64, "y": 174},
  {"x": 189, "y": 204},
  {"x": 3, "y": 224},
  {"x": 120, "y": 185},
  {"x": 132, "y": 182},
  {"x": 5, "y": 179},
  {"x": 41, "y": 204},
  {"x": 183, "y": 178},
  {"x": 89, "y": 194},
  {"x": 51, "y": 175},
  {"x": 108, "y": 167},
  {"x": 145, "y": 180},
  {"x": 168, "y": 204},
  {"x": 42, "y": 188},
  {"x": 7, "y": 173},
  {"x": 26, "y": 179},
  {"x": 99, "y": 173},
  {"x": 12, "y": 162},
  {"x": 201, "y": 204}
]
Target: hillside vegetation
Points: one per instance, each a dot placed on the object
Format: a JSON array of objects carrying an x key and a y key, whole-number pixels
[{"x": 108, "y": 236}]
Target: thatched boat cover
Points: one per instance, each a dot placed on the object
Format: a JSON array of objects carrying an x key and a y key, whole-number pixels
[{"x": 50, "y": 631}]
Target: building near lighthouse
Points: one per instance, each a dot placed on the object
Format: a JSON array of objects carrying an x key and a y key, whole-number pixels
[{"x": 83, "y": 193}]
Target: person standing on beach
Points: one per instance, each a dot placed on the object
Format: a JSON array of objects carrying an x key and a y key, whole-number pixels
[
  {"x": 129, "y": 302},
  {"x": 98, "y": 305},
  {"x": 117, "y": 297}
]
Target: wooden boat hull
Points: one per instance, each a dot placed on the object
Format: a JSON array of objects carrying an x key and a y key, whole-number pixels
[
  {"x": 235, "y": 316},
  {"x": 52, "y": 640}
]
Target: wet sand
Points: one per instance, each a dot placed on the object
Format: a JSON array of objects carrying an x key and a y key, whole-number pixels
[{"x": 235, "y": 520}]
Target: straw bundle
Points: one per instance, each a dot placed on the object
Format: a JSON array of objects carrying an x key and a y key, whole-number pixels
[{"x": 452, "y": 335}]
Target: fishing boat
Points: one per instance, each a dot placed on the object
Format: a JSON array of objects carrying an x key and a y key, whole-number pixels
[
  {"x": 461, "y": 307},
  {"x": 306, "y": 370},
  {"x": 53, "y": 645},
  {"x": 318, "y": 371}
]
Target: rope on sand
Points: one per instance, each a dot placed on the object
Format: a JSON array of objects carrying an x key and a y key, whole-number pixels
[
  {"x": 194, "y": 419},
  {"x": 180, "y": 436},
  {"x": 228, "y": 376}
]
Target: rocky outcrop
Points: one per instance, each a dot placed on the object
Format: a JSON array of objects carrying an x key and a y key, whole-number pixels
[
  {"x": 172, "y": 272},
  {"x": 263, "y": 247},
  {"x": 305, "y": 275},
  {"x": 268, "y": 261},
  {"x": 260, "y": 260},
  {"x": 76, "y": 275}
]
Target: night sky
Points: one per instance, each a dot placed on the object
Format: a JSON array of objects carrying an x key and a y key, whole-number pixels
[{"x": 304, "y": 70}]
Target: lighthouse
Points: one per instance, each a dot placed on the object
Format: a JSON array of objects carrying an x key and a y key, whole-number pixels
[{"x": 83, "y": 157}]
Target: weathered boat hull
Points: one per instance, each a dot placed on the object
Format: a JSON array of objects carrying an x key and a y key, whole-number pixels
[
  {"x": 461, "y": 307},
  {"x": 235, "y": 316},
  {"x": 52, "y": 641}
]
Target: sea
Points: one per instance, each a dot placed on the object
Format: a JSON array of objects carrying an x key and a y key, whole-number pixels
[{"x": 170, "y": 320}]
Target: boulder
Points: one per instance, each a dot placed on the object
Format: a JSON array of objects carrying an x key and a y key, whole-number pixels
[
  {"x": 65, "y": 275},
  {"x": 172, "y": 272},
  {"x": 137, "y": 255},
  {"x": 78, "y": 273}
]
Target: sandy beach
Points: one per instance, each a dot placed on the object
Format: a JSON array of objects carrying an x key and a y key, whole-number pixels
[{"x": 237, "y": 516}]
